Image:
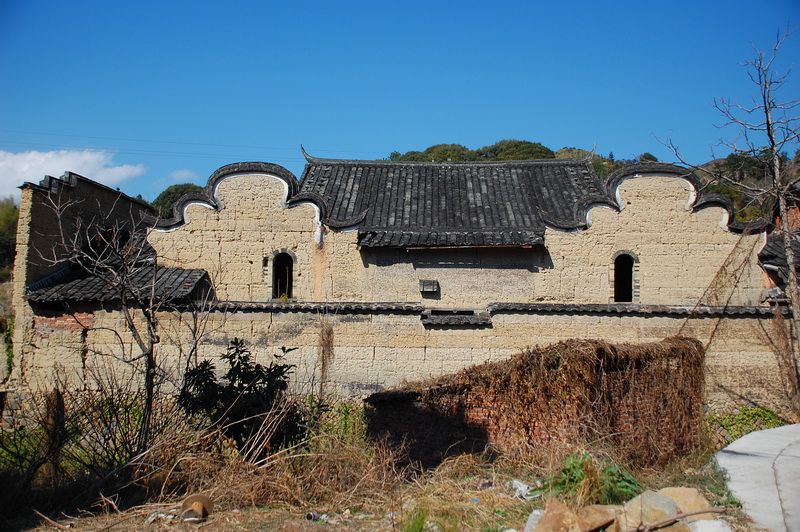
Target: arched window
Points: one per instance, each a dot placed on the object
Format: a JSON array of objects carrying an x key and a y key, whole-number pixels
[
  {"x": 623, "y": 278},
  {"x": 282, "y": 265}
]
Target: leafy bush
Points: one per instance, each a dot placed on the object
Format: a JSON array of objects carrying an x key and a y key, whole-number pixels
[
  {"x": 586, "y": 481},
  {"x": 248, "y": 392}
]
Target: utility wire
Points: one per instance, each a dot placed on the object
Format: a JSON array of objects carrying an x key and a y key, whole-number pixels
[
  {"x": 139, "y": 151},
  {"x": 185, "y": 143}
]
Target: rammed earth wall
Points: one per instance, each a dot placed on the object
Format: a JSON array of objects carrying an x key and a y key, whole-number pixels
[
  {"x": 679, "y": 254},
  {"x": 374, "y": 351}
]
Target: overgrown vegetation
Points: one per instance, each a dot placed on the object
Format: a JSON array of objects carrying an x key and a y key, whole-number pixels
[
  {"x": 573, "y": 391},
  {"x": 77, "y": 449},
  {"x": 726, "y": 428}
]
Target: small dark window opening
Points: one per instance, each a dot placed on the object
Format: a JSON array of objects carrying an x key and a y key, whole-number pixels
[
  {"x": 282, "y": 266},
  {"x": 623, "y": 279}
]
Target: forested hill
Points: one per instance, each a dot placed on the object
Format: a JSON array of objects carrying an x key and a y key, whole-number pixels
[{"x": 513, "y": 150}]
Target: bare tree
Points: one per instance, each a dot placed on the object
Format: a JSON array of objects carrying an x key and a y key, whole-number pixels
[
  {"x": 767, "y": 127},
  {"x": 107, "y": 246}
]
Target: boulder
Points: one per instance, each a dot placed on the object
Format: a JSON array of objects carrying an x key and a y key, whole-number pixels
[
  {"x": 597, "y": 516},
  {"x": 533, "y": 520},
  {"x": 649, "y": 508},
  {"x": 558, "y": 518},
  {"x": 689, "y": 500}
]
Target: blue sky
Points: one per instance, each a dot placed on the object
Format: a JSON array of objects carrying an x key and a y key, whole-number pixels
[{"x": 146, "y": 94}]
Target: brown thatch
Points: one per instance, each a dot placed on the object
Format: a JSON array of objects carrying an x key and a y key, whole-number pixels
[{"x": 643, "y": 400}]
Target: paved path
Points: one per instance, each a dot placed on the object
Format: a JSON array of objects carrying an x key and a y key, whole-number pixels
[{"x": 764, "y": 471}]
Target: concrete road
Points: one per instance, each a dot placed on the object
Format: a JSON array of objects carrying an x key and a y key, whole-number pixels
[{"x": 764, "y": 473}]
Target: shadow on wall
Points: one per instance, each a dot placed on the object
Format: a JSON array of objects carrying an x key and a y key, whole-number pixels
[
  {"x": 531, "y": 259},
  {"x": 426, "y": 435}
]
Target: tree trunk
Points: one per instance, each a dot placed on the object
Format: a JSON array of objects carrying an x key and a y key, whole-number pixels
[{"x": 149, "y": 398}]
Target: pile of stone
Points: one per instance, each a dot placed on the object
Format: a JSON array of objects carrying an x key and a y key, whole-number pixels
[{"x": 669, "y": 509}]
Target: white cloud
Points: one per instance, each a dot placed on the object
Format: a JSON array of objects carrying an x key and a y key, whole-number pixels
[
  {"x": 184, "y": 175},
  {"x": 15, "y": 168}
]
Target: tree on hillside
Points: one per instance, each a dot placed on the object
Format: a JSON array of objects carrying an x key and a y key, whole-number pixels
[
  {"x": 167, "y": 199},
  {"x": 515, "y": 150},
  {"x": 503, "y": 150},
  {"x": 9, "y": 213},
  {"x": 767, "y": 127}
]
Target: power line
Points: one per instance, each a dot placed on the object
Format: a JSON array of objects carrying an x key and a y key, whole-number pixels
[
  {"x": 138, "y": 151},
  {"x": 185, "y": 143}
]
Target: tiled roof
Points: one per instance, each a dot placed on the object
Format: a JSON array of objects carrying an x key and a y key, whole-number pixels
[
  {"x": 401, "y": 204},
  {"x": 171, "y": 285}
]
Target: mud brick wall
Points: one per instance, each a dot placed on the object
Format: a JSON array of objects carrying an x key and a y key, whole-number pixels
[{"x": 678, "y": 251}]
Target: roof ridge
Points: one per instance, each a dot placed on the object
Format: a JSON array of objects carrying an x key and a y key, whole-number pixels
[{"x": 385, "y": 162}]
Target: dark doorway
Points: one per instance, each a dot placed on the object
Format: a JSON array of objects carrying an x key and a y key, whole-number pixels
[
  {"x": 623, "y": 279},
  {"x": 282, "y": 266}
]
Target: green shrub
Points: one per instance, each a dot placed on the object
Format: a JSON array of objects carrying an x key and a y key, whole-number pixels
[
  {"x": 587, "y": 481},
  {"x": 745, "y": 420},
  {"x": 416, "y": 521},
  {"x": 249, "y": 392}
]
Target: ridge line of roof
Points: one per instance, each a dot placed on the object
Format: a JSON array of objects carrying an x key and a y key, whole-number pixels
[{"x": 385, "y": 162}]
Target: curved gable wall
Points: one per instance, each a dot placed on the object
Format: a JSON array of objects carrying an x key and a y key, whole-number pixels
[
  {"x": 248, "y": 221},
  {"x": 680, "y": 251}
]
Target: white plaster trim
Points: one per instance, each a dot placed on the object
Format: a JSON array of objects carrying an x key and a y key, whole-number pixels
[
  {"x": 725, "y": 219},
  {"x": 589, "y": 213},
  {"x": 184, "y": 215},
  {"x": 348, "y": 229},
  {"x": 221, "y": 204}
]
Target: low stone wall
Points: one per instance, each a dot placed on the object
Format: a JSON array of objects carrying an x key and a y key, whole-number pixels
[{"x": 379, "y": 349}]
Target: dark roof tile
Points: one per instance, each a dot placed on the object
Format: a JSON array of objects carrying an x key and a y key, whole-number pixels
[
  {"x": 171, "y": 285},
  {"x": 399, "y": 204}
]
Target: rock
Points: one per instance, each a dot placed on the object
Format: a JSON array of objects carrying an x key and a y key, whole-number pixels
[
  {"x": 196, "y": 507},
  {"x": 558, "y": 518},
  {"x": 519, "y": 488},
  {"x": 597, "y": 516},
  {"x": 689, "y": 500},
  {"x": 710, "y": 525},
  {"x": 533, "y": 520},
  {"x": 649, "y": 508}
]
